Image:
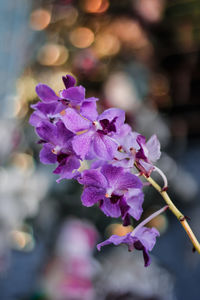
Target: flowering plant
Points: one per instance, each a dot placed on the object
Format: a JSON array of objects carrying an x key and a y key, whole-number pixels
[{"x": 71, "y": 131}]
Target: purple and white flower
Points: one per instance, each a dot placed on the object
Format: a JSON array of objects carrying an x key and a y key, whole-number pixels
[
  {"x": 56, "y": 140},
  {"x": 117, "y": 192},
  {"x": 142, "y": 239},
  {"x": 96, "y": 133},
  {"x": 148, "y": 153},
  {"x": 52, "y": 105}
]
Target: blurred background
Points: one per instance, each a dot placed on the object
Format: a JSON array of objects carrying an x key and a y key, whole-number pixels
[{"x": 139, "y": 55}]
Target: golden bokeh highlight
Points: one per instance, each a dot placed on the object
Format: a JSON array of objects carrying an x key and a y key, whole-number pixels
[
  {"x": 50, "y": 77},
  {"x": 71, "y": 16},
  {"x": 129, "y": 32},
  {"x": 160, "y": 222},
  {"x": 25, "y": 93},
  {"x": 118, "y": 229},
  {"x": 104, "y": 6},
  {"x": 21, "y": 240},
  {"x": 40, "y": 19},
  {"x": 81, "y": 37},
  {"x": 150, "y": 10},
  {"x": 52, "y": 54},
  {"x": 23, "y": 161},
  {"x": 96, "y": 6},
  {"x": 26, "y": 87},
  {"x": 106, "y": 45}
]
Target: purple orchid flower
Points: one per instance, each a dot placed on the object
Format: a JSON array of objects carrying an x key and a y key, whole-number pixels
[
  {"x": 57, "y": 149},
  {"x": 109, "y": 187},
  {"x": 45, "y": 112},
  {"x": 74, "y": 96},
  {"x": 148, "y": 153},
  {"x": 95, "y": 133},
  {"x": 134, "y": 148},
  {"x": 52, "y": 105},
  {"x": 126, "y": 154},
  {"x": 69, "y": 81},
  {"x": 143, "y": 239}
]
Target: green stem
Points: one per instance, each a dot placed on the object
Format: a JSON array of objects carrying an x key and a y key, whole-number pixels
[{"x": 176, "y": 212}]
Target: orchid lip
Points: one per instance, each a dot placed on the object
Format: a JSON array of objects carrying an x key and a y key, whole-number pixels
[
  {"x": 97, "y": 125},
  {"x": 56, "y": 150}
]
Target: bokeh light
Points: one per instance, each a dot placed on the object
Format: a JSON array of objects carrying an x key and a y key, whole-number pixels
[
  {"x": 40, "y": 19},
  {"x": 21, "y": 240},
  {"x": 23, "y": 161},
  {"x": 121, "y": 92},
  {"x": 95, "y": 6},
  {"x": 106, "y": 45},
  {"x": 150, "y": 10},
  {"x": 160, "y": 222},
  {"x": 70, "y": 16},
  {"x": 81, "y": 37},
  {"x": 118, "y": 229},
  {"x": 129, "y": 32},
  {"x": 49, "y": 77},
  {"x": 26, "y": 87},
  {"x": 53, "y": 54}
]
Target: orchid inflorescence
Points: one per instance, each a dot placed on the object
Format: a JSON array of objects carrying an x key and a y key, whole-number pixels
[{"x": 71, "y": 131}]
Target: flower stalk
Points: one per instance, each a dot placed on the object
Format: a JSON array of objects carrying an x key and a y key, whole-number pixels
[{"x": 176, "y": 212}]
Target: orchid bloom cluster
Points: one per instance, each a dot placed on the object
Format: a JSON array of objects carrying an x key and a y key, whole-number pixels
[{"x": 71, "y": 131}]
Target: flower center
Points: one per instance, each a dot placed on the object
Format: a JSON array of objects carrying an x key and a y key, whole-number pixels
[
  {"x": 115, "y": 198},
  {"x": 61, "y": 156},
  {"x": 97, "y": 125},
  {"x": 107, "y": 126}
]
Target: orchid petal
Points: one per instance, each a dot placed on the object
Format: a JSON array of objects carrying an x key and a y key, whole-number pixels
[
  {"x": 45, "y": 93},
  {"x": 110, "y": 209},
  {"x": 75, "y": 94},
  {"x": 89, "y": 110},
  {"x": 81, "y": 143},
  {"x": 75, "y": 122},
  {"x": 153, "y": 146},
  {"x": 104, "y": 146},
  {"x": 92, "y": 195},
  {"x": 69, "y": 81},
  {"x": 47, "y": 156},
  {"x": 93, "y": 178}
]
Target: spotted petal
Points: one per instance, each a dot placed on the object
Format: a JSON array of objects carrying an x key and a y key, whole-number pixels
[
  {"x": 67, "y": 168},
  {"x": 134, "y": 199},
  {"x": 81, "y": 143},
  {"x": 110, "y": 209},
  {"x": 93, "y": 178},
  {"x": 113, "y": 113},
  {"x": 104, "y": 146},
  {"x": 47, "y": 156},
  {"x": 119, "y": 179},
  {"x": 75, "y": 122},
  {"x": 92, "y": 195}
]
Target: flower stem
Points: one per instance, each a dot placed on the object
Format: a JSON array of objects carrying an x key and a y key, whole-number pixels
[
  {"x": 147, "y": 220},
  {"x": 176, "y": 212}
]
